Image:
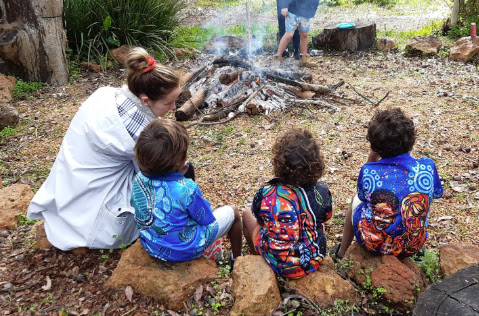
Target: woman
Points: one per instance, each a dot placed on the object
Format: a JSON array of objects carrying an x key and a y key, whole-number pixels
[{"x": 85, "y": 200}]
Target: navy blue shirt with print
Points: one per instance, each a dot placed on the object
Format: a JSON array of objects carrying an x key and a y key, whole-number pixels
[{"x": 396, "y": 194}]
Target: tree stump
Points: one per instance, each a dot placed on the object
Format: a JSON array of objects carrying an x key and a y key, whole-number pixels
[
  {"x": 32, "y": 40},
  {"x": 455, "y": 295},
  {"x": 359, "y": 37}
]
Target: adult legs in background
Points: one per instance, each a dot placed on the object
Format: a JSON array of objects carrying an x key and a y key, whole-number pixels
[{"x": 282, "y": 29}]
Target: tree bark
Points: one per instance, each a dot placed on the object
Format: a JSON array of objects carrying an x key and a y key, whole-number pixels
[
  {"x": 359, "y": 37},
  {"x": 455, "y": 12},
  {"x": 32, "y": 40}
]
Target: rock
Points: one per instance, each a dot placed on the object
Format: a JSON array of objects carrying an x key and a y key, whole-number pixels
[
  {"x": 8, "y": 116},
  {"x": 7, "y": 84},
  {"x": 14, "y": 200},
  {"x": 464, "y": 49},
  {"x": 325, "y": 286},
  {"x": 171, "y": 283},
  {"x": 426, "y": 45},
  {"x": 454, "y": 257},
  {"x": 402, "y": 279},
  {"x": 4, "y": 234},
  {"x": 454, "y": 295},
  {"x": 120, "y": 54},
  {"x": 385, "y": 44},
  {"x": 223, "y": 44},
  {"x": 255, "y": 288},
  {"x": 90, "y": 66},
  {"x": 41, "y": 235}
]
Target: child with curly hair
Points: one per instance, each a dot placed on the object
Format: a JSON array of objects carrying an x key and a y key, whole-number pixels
[
  {"x": 285, "y": 224},
  {"x": 176, "y": 222},
  {"x": 389, "y": 214}
]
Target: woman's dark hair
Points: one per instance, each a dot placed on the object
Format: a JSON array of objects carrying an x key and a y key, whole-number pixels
[
  {"x": 156, "y": 83},
  {"x": 296, "y": 158},
  {"x": 161, "y": 146},
  {"x": 391, "y": 133}
]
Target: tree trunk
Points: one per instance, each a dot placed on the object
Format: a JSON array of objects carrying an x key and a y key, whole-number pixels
[
  {"x": 359, "y": 37},
  {"x": 455, "y": 12},
  {"x": 32, "y": 40}
]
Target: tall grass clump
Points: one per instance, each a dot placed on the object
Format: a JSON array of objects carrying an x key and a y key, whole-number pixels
[{"x": 93, "y": 27}]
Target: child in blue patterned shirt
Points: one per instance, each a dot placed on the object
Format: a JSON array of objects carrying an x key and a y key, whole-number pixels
[
  {"x": 176, "y": 222},
  {"x": 390, "y": 213}
]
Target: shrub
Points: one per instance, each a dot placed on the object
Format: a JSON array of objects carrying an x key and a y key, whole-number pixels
[
  {"x": 93, "y": 27},
  {"x": 24, "y": 89}
]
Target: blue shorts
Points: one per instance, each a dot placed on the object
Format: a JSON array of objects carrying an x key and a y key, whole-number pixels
[
  {"x": 294, "y": 22},
  {"x": 225, "y": 216}
]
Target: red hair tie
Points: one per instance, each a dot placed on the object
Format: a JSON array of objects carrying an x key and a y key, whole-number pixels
[{"x": 152, "y": 64}]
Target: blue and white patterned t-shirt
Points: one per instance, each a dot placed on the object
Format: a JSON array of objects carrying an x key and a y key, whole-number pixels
[
  {"x": 396, "y": 195},
  {"x": 176, "y": 222}
]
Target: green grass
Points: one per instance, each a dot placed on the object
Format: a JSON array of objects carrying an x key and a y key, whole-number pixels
[
  {"x": 24, "y": 90},
  {"x": 7, "y": 132},
  {"x": 196, "y": 36},
  {"x": 430, "y": 265},
  {"x": 403, "y": 38}
]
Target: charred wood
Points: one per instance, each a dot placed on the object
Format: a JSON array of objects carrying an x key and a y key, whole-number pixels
[{"x": 189, "y": 108}]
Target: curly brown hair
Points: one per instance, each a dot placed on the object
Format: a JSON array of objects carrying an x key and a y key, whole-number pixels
[
  {"x": 161, "y": 146},
  {"x": 391, "y": 133},
  {"x": 296, "y": 158}
]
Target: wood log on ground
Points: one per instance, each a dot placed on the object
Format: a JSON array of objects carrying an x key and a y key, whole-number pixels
[
  {"x": 189, "y": 108},
  {"x": 359, "y": 37},
  {"x": 228, "y": 78},
  {"x": 32, "y": 40}
]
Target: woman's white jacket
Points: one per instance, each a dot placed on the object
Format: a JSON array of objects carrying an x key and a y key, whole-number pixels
[{"x": 85, "y": 200}]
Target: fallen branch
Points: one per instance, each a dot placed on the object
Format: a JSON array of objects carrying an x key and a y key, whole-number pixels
[{"x": 385, "y": 96}]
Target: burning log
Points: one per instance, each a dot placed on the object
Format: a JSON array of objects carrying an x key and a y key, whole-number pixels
[{"x": 189, "y": 108}]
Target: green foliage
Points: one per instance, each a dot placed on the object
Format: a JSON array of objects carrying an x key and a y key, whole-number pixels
[
  {"x": 379, "y": 3},
  {"x": 341, "y": 307},
  {"x": 7, "y": 132},
  {"x": 94, "y": 27},
  {"x": 196, "y": 36},
  {"x": 22, "y": 220},
  {"x": 429, "y": 264},
  {"x": 24, "y": 89},
  {"x": 463, "y": 28}
]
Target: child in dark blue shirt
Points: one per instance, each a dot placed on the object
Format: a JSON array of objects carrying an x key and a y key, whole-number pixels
[{"x": 390, "y": 213}]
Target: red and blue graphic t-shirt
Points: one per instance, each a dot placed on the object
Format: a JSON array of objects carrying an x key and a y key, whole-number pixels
[
  {"x": 291, "y": 238},
  {"x": 396, "y": 195}
]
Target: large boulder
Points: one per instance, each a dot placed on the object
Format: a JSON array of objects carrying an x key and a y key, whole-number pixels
[
  {"x": 14, "y": 200},
  {"x": 402, "y": 279},
  {"x": 171, "y": 283},
  {"x": 325, "y": 286},
  {"x": 7, "y": 84},
  {"x": 454, "y": 257},
  {"x": 426, "y": 45},
  {"x": 464, "y": 49},
  {"x": 8, "y": 116},
  {"x": 255, "y": 288}
]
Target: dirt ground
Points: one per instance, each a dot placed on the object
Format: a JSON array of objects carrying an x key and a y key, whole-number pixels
[{"x": 232, "y": 160}]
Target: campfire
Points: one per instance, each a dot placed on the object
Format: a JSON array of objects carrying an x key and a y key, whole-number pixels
[{"x": 236, "y": 82}]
